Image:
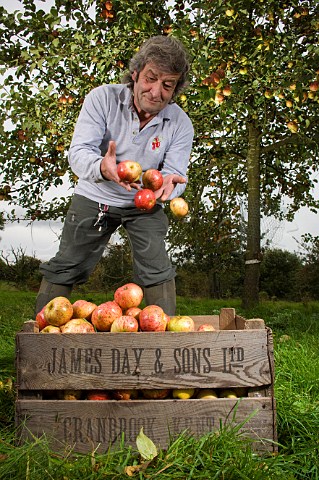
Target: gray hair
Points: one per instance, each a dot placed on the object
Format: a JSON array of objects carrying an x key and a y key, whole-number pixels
[{"x": 167, "y": 53}]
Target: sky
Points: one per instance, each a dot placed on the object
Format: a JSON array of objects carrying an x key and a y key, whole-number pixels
[{"x": 41, "y": 238}]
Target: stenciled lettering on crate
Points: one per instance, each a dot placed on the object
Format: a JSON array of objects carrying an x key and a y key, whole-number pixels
[{"x": 110, "y": 361}]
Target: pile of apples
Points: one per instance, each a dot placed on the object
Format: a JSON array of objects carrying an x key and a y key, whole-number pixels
[
  {"x": 130, "y": 171},
  {"x": 122, "y": 314}
]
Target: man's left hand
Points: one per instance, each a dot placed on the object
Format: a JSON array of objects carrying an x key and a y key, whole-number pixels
[{"x": 169, "y": 183}]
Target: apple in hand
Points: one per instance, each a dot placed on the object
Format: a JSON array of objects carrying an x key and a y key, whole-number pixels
[
  {"x": 40, "y": 320},
  {"x": 145, "y": 199},
  {"x": 77, "y": 325},
  {"x": 152, "y": 319},
  {"x": 129, "y": 171},
  {"x": 152, "y": 179},
  {"x": 179, "y": 207},
  {"x": 180, "y": 323},
  {"x": 104, "y": 315},
  {"x": 83, "y": 309},
  {"x": 128, "y": 295},
  {"x": 125, "y": 323},
  {"x": 58, "y": 311}
]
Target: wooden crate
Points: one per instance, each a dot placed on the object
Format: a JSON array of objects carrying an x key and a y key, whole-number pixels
[{"x": 238, "y": 354}]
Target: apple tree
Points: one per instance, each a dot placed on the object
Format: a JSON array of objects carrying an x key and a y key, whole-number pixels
[{"x": 253, "y": 100}]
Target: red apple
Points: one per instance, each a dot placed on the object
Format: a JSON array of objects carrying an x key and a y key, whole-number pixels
[
  {"x": 98, "y": 395},
  {"x": 181, "y": 323},
  {"x": 314, "y": 86},
  {"x": 77, "y": 325},
  {"x": 145, "y": 199},
  {"x": 104, "y": 315},
  {"x": 83, "y": 309},
  {"x": 134, "y": 311},
  {"x": 125, "y": 394},
  {"x": 125, "y": 323},
  {"x": 128, "y": 295},
  {"x": 40, "y": 320},
  {"x": 51, "y": 329},
  {"x": 206, "y": 327},
  {"x": 129, "y": 171},
  {"x": 152, "y": 179},
  {"x": 179, "y": 207},
  {"x": 58, "y": 311},
  {"x": 152, "y": 319},
  {"x": 156, "y": 393}
]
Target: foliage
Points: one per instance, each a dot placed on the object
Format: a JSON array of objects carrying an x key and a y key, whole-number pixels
[
  {"x": 253, "y": 100},
  {"x": 279, "y": 274},
  {"x": 309, "y": 275},
  {"x": 23, "y": 271}
]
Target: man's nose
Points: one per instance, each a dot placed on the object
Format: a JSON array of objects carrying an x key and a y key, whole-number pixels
[{"x": 156, "y": 89}]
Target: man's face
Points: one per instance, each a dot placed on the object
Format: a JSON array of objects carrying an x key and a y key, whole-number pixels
[{"x": 153, "y": 89}]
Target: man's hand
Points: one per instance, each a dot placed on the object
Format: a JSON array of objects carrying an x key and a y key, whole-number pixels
[
  {"x": 168, "y": 186},
  {"x": 108, "y": 168}
]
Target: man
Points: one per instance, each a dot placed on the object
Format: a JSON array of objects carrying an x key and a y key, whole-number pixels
[{"x": 136, "y": 120}]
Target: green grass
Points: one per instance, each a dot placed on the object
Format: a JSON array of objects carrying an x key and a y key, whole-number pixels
[{"x": 221, "y": 455}]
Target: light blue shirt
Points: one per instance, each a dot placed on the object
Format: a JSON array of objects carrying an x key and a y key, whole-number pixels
[{"x": 107, "y": 114}]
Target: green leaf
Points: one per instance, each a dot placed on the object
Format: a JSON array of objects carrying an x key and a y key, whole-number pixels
[{"x": 145, "y": 446}]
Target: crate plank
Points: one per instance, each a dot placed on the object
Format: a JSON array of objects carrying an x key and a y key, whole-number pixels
[
  {"x": 86, "y": 425},
  {"x": 143, "y": 360}
]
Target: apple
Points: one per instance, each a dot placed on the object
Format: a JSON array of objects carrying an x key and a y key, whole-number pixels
[
  {"x": 98, "y": 395},
  {"x": 125, "y": 323},
  {"x": 77, "y": 325},
  {"x": 152, "y": 319},
  {"x": 152, "y": 179},
  {"x": 145, "y": 199},
  {"x": 50, "y": 329},
  {"x": 183, "y": 393},
  {"x": 124, "y": 394},
  {"x": 205, "y": 327},
  {"x": 134, "y": 311},
  {"x": 228, "y": 393},
  {"x": 227, "y": 90},
  {"x": 104, "y": 315},
  {"x": 128, "y": 295},
  {"x": 314, "y": 86},
  {"x": 58, "y": 311},
  {"x": 129, "y": 171},
  {"x": 156, "y": 393},
  {"x": 83, "y": 309},
  {"x": 180, "y": 323},
  {"x": 292, "y": 126},
  {"x": 72, "y": 395},
  {"x": 40, "y": 320},
  {"x": 179, "y": 207},
  {"x": 207, "y": 394}
]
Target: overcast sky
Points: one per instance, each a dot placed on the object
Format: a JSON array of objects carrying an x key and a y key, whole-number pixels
[{"x": 41, "y": 238}]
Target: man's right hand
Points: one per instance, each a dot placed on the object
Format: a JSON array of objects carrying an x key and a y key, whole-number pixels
[{"x": 108, "y": 168}]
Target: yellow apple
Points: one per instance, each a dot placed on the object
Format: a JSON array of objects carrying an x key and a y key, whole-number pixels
[
  {"x": 183, "y": 393},
  {"x": 207, "y": 394}
]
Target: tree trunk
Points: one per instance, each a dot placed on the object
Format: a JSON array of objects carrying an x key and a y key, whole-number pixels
[{"x": 252, "y": 259}]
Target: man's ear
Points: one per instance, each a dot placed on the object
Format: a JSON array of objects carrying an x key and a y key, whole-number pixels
[{"x": 134, "y": 76}]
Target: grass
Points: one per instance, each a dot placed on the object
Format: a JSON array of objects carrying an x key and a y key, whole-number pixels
[{"x": 224, "y": 454}]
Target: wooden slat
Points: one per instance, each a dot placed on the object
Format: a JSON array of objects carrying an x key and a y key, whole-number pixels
[
  {"x": 227, "y": 319},
  {"x": 87, "y": 425},
  {"x": 143, "y": 360},
  {"x": 251, "y": 324}
]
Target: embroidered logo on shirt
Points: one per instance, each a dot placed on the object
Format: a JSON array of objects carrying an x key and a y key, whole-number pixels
[{"x": 156, "y": 143}]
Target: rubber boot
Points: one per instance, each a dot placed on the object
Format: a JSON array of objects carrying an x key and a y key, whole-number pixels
[
  {"x": 163, "y": 295},
  {"x": 48, "y": 290}
]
